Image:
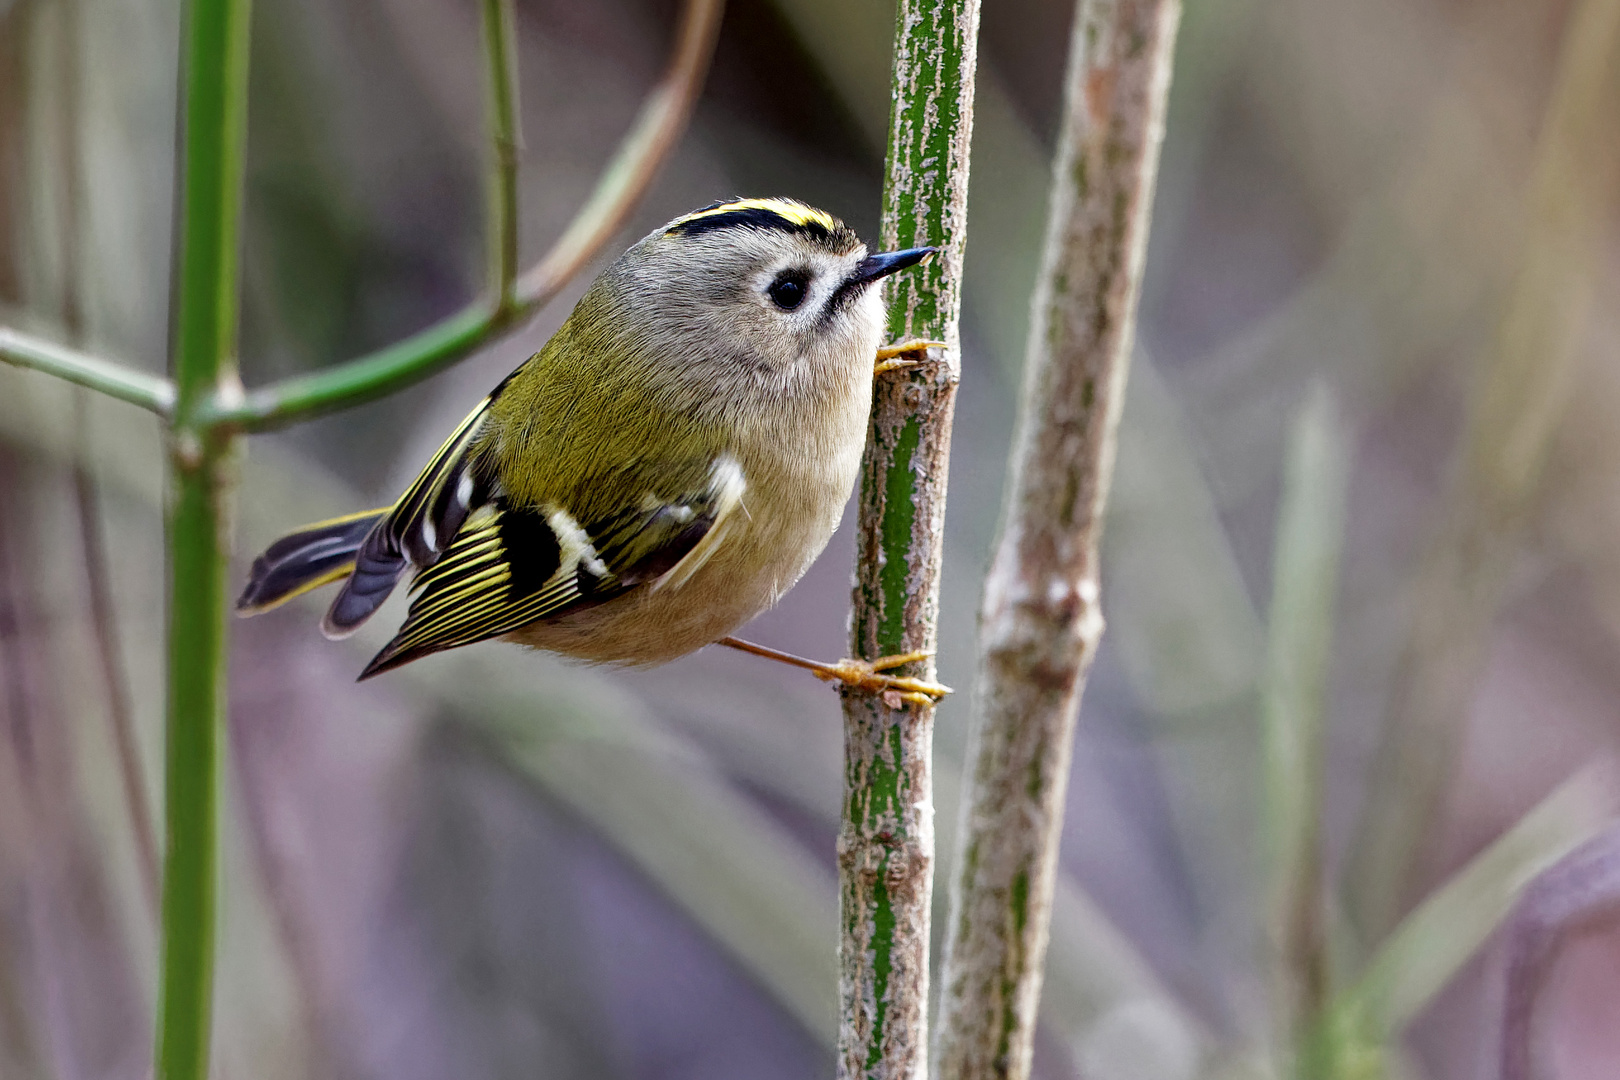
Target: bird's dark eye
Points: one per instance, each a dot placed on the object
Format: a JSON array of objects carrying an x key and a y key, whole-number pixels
[{"x": 787, "y": 291}]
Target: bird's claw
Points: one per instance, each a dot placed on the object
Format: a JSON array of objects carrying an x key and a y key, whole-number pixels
[
  {"x": 904, "y": 354},
  {"x": 895, "y": 690}
]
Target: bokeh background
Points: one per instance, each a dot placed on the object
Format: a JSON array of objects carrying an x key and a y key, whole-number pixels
[{"x": 497, "y": 865}]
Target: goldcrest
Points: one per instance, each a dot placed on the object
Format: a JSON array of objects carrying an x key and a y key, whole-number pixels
[{"x": 662, "y": 471}]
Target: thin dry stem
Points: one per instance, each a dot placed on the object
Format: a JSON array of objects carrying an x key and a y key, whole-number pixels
[
  {"x": 98, "y": 583},
  {"x": 120, "y": 701},
  {"x": 660, "y": 123},
  {"x": 1041, "y": 621}
]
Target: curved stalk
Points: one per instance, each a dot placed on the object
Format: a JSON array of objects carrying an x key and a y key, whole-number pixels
[
  {"x": 207, "y": 409},
  {"x": 664, "y": 115},
  {"x": 1574, "y": 896},
  {"x": 363, "y": 379},
  {"x": 886, "y": 840},
  {"x": 644, "y": 149}
]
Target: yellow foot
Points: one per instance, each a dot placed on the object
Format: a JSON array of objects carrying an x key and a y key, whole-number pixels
[
  {"x": 867, "y": 675},
  {"x": 904, "y": 354},
  {"x": 896, "y": 690}
]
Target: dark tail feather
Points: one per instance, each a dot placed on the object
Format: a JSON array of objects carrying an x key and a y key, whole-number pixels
[
  {"x": 373, "y": 573},
  {"x": 305, "y": 560}
]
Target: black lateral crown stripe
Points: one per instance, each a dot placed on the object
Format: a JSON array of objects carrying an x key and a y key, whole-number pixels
[{"x": 751, "y": 217}]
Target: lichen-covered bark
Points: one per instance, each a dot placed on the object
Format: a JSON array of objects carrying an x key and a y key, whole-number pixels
[
  {"x": 1041, "y": 621},
  {"x": 886, "y": 843}
]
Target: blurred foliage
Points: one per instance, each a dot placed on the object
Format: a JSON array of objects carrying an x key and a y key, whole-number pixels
[{"x": 494, "y": 860}]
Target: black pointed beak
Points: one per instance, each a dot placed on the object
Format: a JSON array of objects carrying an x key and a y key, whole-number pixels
[{"x": 873, "y": 267}]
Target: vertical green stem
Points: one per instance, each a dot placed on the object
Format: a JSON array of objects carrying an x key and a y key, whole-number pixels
[
  {"x": 1305, "y": 574},
  {"x": 886, "y": 842},
  {"x": 197, "y": 559},
  {"x": 214, "y": 58}
]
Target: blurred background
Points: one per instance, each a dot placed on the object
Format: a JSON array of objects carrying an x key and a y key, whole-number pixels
[{"x": 496, "y": 865}]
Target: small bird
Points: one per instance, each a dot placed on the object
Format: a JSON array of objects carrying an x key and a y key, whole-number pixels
[{"x": 660, "y": 472}]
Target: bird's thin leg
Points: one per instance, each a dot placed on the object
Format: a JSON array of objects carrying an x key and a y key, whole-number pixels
[
  {"x": 904, "y": 354},
  {"x": 859, "y": 674}
]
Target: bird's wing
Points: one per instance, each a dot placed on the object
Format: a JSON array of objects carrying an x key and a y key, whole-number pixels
[
  {"x": 418, "y": 527},
  {"x": 511, "y": 565}
]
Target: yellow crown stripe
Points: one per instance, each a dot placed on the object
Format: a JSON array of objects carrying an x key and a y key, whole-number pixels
[{"x": 788, "y": 209}]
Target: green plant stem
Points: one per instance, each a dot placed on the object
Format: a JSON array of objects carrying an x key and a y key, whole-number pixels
[
  {"x": 663, "y": 117},
  {"x": 151, "y": 392},
  {"x": 658, "y": 127},
  {"x": 366, "y": 378},
  {"x": 198, "y": 556},
  {"x": 500, "y": 54},
  {"x": 1041, "y": 620},
  {"x": 1305, "y": 573},
  {"x": 208, "y": 409},
  {"x": 214, "y": 57},
  {"x": 886, "y": 840}
]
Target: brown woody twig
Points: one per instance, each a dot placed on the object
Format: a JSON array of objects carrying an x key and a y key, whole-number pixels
[{"x": 1041, "y": 619}]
